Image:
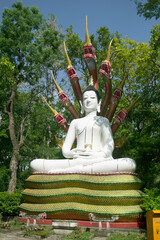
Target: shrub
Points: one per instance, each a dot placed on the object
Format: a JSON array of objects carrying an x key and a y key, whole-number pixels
[
  {"x": 151, "y": 200},
  {"x": 9, "y": 203}
]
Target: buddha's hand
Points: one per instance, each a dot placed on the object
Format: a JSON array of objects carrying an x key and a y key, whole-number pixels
[
  {"x": 85, "y": 153},
  {"x": 77, "y": 152}
]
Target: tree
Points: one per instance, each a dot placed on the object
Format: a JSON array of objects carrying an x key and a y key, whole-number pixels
[
  {"x": 31, "y": 47},
  {"x": 16, "y": 35},
  {"x": 7, "y": 70},
  {"x": 149, "y": 9},
  {"x": 148, "y": 137},
  {"x": 142, "y": 142}
]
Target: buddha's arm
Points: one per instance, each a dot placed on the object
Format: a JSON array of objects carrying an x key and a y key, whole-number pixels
[
  {"x": 70, "y": 138},
  {"x": 71, "y": 135},
  {"x": 107, "y": 139}
]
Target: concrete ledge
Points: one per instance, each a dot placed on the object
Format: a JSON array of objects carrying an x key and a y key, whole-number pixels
[{"x": 69, "y": 224}]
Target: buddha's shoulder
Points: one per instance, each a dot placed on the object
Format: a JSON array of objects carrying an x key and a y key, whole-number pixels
[
  {"x": 102, "y": 120},
  {"x": 99, "y": 120},
  {"x": 76, "y": 121}
]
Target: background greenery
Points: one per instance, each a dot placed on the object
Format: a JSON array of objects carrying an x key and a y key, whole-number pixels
[{"x": 9, "y": 203}]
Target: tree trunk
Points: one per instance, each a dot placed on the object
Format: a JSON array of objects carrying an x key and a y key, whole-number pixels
[
  {"x": 17, "y": 144},
  {"x": 13, "y": 173}
]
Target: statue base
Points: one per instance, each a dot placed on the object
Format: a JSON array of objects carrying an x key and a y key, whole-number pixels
[{"x": 76, "y": 196}]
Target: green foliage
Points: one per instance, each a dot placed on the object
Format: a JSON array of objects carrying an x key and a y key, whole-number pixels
[
  {"x": 4, "y": 178},
  {"x": 9, "y": 203},
  {"x": 22, "y": 174},
  {"x": 129, "y": 236},
  {"x": 16, "y": 37},
  {"x": 75, "y": 49},
  {"x": 101, "y": 41},
  {"x": 47, "y": 46},
  {"x": 7, "y": 69},
  {"x": 143, "y": 122},
  {"x": 148, "y": 9},
  {"x": 155, "y": 38},
  {"x": 151, "y": 200}
]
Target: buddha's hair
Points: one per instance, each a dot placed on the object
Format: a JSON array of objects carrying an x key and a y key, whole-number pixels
[{"x": 92, "y": 88}]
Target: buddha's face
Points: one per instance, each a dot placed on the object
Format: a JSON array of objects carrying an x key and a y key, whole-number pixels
[{"x": 90, "y": 101}]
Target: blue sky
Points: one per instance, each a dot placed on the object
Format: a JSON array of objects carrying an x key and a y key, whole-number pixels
[{"x": 117, "y": 15}]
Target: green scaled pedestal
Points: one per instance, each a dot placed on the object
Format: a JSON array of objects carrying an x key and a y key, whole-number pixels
[{"x": 75, "y": 196}]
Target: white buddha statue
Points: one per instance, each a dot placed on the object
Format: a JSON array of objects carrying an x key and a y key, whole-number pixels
[{"x": 95, "y": 144}]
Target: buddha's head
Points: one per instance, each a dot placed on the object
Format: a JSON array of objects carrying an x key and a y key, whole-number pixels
[
  {"x": 90, "y": 100},
  {"x": 92, "y": 88}
]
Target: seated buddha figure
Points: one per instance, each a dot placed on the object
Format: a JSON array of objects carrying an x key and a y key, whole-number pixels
[{"x": 93, "y": 153}]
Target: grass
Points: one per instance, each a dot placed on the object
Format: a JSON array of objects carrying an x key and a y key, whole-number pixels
[
  {"x": 12, "y": 224},
  {"x": 129, "y": 236},
  {"x": 43, "y": 232},
  {"x": 81, "y": 235}
]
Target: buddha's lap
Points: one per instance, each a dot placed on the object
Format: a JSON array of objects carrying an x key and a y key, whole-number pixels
[{"x": 80, "y": 164}]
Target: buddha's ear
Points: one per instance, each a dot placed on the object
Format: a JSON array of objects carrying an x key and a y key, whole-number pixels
[
  {"x": 99, "y": 106},
  {"x": 82, "y": 109}
]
